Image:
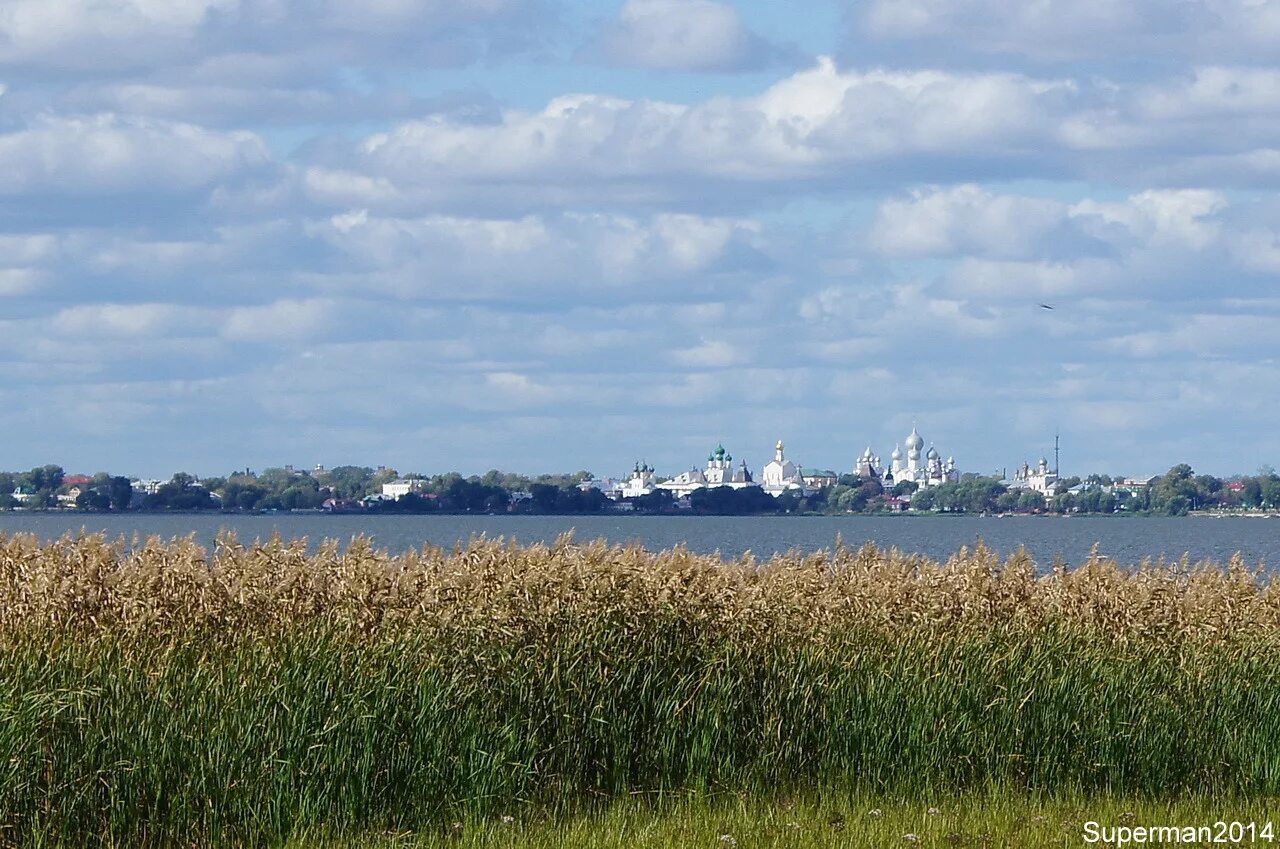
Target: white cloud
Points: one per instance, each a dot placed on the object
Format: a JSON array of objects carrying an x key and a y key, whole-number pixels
[
  {"x": 820, "y": 123},
  {"x": 1257, "y": 249},
  {"x": 1206, "y": 335},
  {"x": 27, "y": 247},
  {"x": 1216, "y": 92},
  {"x": 126, "y": 35},
  {"x": 94, "y": 33},
  {"x": 821, "y": 129},
  {"x": 708, "y": 354},
  {"x": 1010, "y": 246},
  {"x": 1031, "y": 281},
  {"x": 1061, "y": 30},
  {"x": 681, "y": 35},
  {"x": 1185, "y": 218},
  {"x": 284, "y": 320},
  {"x": 504, "y": 389},
  {"x": 139, "y": 321},
  {"x": 965, "y": 219},
  {"x": 18, "y": 281},
  {"x": 111, "y": 154},
  {"x": 519, "y": 258}
]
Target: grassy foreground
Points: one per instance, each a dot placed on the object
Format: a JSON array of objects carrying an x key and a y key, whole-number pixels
[
  {"x": 977, "y": 820},
  {"x": 167, "y": 695}
]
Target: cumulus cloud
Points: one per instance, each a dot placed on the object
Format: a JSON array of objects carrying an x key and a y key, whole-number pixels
[
  {"x": 130, "y": 35},
  {"x": 714, "y": 353},
  {"x": 966, "y": 218},
  {"x": 258, "y": 62},
  {"x": 681, "y": 35},
  {"x": 815, "y": 124},
  {"x": 1009, "y": 245},
  {"x": 223, "y": 104},
  {"x": 66, "y": 33},
  {"x": 823, "y": 129},
  {"x": 18, "y": 281},
  {"x": 1211, "y": 335},
  {"x": 105, "y": 321},
  {"x": 287, "y": 320},
  {"x": 106, "y": 154},
  {"x": 1065, "y": 30},
  {"x": 589, "y": 255}
]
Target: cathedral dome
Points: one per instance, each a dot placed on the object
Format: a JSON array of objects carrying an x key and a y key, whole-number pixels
[
  {"x": 933, "y": 453},
  {"x": 914, "y": 441},
  {"x": 897, "y": 453}
]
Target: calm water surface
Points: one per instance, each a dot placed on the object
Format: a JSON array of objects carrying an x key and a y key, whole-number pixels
[{"x": 1129, "y": 540}]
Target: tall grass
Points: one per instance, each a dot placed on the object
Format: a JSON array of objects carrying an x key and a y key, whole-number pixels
[{"x": 166, "y": 694}]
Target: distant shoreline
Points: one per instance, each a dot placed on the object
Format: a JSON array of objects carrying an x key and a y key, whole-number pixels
[{"x": 639, "y": 515}]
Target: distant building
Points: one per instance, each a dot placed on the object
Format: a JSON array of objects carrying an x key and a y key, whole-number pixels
[
  {"x": 401, "y": 487},
  {"x": 642, "y": 482},
  {"x": 781, "y": 475},
  {"x": 926, "y": 471},
  {"x": 818, "y": 478},
  {"x": 1138, "y": 483},
  {"x": 1038, "y": 478},
  {"x": 605, "y": 485},
  {"x": 720, "y": 471}
]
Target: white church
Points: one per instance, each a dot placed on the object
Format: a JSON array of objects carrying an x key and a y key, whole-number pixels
[
  {"x": 924, "y": 471},
  {"x": 1038, "y": 478},
  {"x": 720, "y": 471},
  {"x": 641, "y": 482},
  {"x": 781, "y": 475},
  {"x": 778, "y": 476}
]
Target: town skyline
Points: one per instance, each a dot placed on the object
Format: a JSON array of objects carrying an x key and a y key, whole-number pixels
[{"x": 664, "y": 471}]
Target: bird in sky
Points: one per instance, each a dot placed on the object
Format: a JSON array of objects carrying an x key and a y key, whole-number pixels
[{"x": 1045, "y": 307}]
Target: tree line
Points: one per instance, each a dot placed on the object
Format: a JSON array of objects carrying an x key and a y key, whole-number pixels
[{"x": 1178, "y": 492}]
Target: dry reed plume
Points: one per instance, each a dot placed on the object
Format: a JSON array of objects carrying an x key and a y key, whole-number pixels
[{"x": 90, "y": 584}]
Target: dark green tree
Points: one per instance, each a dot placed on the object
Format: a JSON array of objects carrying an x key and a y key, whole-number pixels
[
  {"x": 119, "y": 493},
  {"x": 902, "y": 488},
  {"x": 1030, "y": 501},
  {"x": 349, "y": 482}
]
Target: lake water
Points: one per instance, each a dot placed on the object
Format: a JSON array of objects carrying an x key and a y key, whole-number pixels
[{"x": 1129, "y": 540}]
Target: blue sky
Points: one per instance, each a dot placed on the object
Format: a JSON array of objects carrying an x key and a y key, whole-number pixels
[{"x": 540, "y": 235}]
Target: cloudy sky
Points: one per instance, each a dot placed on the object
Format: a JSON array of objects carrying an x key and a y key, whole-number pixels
[{"x": 549, "y": 235}]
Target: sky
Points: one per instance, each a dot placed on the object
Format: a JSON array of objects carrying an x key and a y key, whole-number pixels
[{"x": 548, "y": 236}]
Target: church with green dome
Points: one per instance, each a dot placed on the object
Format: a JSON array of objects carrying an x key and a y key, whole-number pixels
[{"x": 720, "y": 471}]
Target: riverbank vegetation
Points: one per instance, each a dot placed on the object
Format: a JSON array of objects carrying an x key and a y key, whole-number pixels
[
  {"x": 989, "y": 820},
  {"x": 349, "y": 489},
  {"x": 162, "y": 694}
]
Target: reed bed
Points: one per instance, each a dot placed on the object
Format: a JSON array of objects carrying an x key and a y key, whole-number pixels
[{"x": 162, "y": 694}]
